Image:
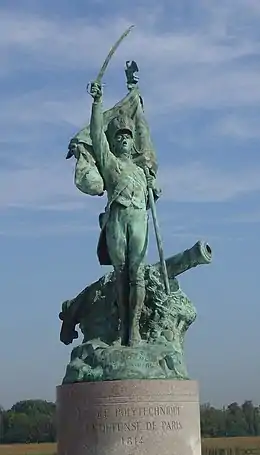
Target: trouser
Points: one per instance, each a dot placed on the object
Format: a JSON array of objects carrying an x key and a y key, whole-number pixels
[{"x": 126, "y": 236}]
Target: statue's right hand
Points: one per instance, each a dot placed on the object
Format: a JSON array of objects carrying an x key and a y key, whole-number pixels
[{"x": 95, "y": 91}]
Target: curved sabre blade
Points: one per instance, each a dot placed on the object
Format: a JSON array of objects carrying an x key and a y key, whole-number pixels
[
  {"x": 104, "y": 67},
  {"x": 111, "y": 52}
]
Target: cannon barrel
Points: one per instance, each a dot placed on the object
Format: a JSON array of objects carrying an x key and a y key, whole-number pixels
[{"x": 199, "y": 254}]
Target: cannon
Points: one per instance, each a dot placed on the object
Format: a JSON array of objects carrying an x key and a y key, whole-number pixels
[
  {"x": 199, "y": 254},
  {"x": 89, "y": 299}
]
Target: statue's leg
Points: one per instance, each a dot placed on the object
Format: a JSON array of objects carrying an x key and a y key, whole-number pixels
[
  {"x": 116, "y": 236},
  {"x": 137, "y": 246},
  {"x": 136, "y": 299},
  {"x": 122, "y": 301}
]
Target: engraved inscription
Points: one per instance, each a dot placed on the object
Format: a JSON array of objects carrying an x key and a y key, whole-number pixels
[
  {"x": 144, "y": 411},
  {"x": 132, "y": 440},
  {"x": 150, "y": 426},
  {"x": 118, "y": 427},
  {"x": 151, "y": 411},
  {"x": 132, "y": 423},
  {"x": 102, "y": 413},
  {"x": 173, "y": 425}
]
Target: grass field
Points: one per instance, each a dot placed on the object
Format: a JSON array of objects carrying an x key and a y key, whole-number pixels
[
  {"x": 28, "y": 449},
  {"x": 231, "y": 446},
  {"x": 210, "y": 446}
]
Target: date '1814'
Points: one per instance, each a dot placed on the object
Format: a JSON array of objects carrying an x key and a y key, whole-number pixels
[{"x": 132, "y": 440}]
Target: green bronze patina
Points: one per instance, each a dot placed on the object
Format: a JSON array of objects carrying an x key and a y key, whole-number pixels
[
  {"x": 164, "y": 321},
  {"x": 133, "y": 319}
]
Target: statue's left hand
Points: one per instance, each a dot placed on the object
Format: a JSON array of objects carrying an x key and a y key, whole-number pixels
[
  {"x": 77, "y": 149},
  {"x": 150, "y": 181}
]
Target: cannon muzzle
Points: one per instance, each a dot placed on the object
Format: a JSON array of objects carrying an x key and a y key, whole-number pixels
[{"x": 199, "y": 254}]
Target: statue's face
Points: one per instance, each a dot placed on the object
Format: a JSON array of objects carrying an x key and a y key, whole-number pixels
[{"x": 123, "y": 143}]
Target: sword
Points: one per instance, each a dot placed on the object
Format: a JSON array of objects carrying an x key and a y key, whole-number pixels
[
  {"x": 104, "y": 67},
  {"x": 110, "y": 54}
]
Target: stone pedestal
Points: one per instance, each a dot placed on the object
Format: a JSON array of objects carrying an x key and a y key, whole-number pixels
[{"x": 130, "y": 417}]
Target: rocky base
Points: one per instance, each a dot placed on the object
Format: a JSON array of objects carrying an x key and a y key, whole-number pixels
[
  {"x": 163, "y": 324},
  {"x": 94, "y": 362}
]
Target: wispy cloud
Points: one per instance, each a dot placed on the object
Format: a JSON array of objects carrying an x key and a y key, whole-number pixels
[
  {"x": 37, "y": 187},
  {"x": 198, "y": 67},
  {"x": 51, "y": 187},
  {"x": 193, "y": 65},
  {"x": 196, "y": 183},
  {"x": 246, "y": 217},
  {"x": 241, "y": 127},
  {"x": 61, "y": 229}
]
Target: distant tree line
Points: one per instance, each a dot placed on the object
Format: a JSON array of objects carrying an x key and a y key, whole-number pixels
[
  {"x": 34, "y": 421},
  {"x": 233, "y": 420},
  {"x": 28, "y": 421}
]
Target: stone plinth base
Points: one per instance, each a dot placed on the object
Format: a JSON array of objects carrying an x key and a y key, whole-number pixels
[{"x": 133, "y": 417}]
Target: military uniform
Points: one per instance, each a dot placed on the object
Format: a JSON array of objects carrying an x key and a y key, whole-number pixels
[{"x": 124, "y": 224}]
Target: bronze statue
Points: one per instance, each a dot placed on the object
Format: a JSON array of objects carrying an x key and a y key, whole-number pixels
[{"x": 134, "y": 319}]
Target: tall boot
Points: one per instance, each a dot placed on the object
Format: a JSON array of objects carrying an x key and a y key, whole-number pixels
[
  {"x": 136, "y": 302},
  {"x": 122, "y": 291}
]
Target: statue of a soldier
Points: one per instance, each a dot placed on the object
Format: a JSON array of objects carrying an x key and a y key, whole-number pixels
[{"x": 122, "y": 162}]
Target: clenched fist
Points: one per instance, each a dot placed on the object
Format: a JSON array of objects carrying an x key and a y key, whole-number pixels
[{"x": 95, "y": 91}]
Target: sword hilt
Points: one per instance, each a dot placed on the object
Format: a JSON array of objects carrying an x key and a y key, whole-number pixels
[{"x": 89, "y": 85}]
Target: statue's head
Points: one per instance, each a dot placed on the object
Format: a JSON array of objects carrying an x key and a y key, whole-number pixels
[{"x": 121, "y": 132}]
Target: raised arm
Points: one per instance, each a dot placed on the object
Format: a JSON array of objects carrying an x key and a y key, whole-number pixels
[{"x": 100, "y": 144}]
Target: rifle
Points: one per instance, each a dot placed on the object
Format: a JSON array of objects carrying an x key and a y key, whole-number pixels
[{"x": 158, "y": 236}]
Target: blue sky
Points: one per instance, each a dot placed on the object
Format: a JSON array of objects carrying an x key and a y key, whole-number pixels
[{"x": 199, "y": 73}]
